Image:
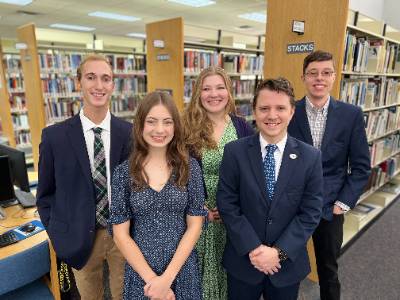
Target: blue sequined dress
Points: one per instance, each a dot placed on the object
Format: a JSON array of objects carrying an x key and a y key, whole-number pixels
[{"x": 158, "y": 222}]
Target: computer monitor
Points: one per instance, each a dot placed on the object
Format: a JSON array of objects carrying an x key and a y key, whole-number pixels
[
  {"x": 6, "y": 187},
  {"x": 19, "y": 173}
]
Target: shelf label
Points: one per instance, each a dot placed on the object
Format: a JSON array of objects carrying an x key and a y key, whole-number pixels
[
  {"x": 162, "y": 57},
  {"x": 300, "y": 48}
]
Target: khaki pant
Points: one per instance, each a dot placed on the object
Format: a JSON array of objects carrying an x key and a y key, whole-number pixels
[{"x": 89, "y": 279}]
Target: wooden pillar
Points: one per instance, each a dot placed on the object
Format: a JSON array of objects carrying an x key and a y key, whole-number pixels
[
  {"x": 165, "y": 65},
  {"x": 5, "y": 106},
  {"x": 33, "y": 86},
  {"x": 325, "y": 25}
]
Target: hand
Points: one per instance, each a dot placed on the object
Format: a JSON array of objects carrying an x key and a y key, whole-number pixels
[
  {"x": 337, "y": 210},
  {"x": 170, "y": 295},
  {"x": 213, "y": 215},
  {"x": 158, "y": 287},
  {"x": 265, "y": 259}
]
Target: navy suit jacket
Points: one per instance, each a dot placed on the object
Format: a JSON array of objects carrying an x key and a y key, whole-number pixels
[
  {"x": 65, "y": 194},
  {"x": 251, "y": 220},
  {"x": 344, "y": 148}
]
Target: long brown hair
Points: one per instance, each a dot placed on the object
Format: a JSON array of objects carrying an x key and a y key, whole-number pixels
[
  {"x": 197, "y": 125},
  {"x": 177, "y": 155}
]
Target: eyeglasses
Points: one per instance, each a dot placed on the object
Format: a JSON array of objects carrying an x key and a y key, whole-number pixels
[{"x": 315, "y": 73}]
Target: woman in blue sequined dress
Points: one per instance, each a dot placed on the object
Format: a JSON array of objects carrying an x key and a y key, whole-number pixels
[{"x": 157, "y": 207}]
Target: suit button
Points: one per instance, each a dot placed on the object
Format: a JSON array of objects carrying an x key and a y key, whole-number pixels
[{"x": 269, "y": 221}]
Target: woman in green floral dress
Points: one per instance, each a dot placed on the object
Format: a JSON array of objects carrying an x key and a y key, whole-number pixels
[{"x": 210, "y": 123}]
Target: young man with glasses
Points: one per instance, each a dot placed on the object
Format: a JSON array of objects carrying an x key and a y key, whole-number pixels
[{"x": 337, "y": 129}]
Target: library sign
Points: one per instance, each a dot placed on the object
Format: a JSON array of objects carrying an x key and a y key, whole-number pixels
[{"x": 300, "y": 48}]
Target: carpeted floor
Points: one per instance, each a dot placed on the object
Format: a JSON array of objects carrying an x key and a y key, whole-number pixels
[{"x": 370, "y": 268}]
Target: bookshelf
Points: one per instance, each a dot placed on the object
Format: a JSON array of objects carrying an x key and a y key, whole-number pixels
[{"x": 371, "y": 80}]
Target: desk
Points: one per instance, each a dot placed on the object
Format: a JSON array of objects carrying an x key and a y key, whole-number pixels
[{"x": 16, "y": 216}]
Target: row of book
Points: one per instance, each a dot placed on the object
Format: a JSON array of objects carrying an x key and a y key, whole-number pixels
[
  {"x": 370, "y": 92},
  {"x": 18, "y": 104},
  {"x": 23, "y": 139},
  {"x": 125, "y": 104},
  {"x": 244, "y": 109},
  {"x": 197, "y": 60},
  {"x": 369, "y": 54},
  {"x": 69, "y": 62},
  {"x": 382, "y": 149},
  {"x": 57, "y": 109},
  {"x": 15, "y": 83},
  {"x": 20, "y": 122},
  {"x": 382, "y": 173},
  {"x": 67, "y": 84},
  {"x": 381, "y": 122},
  {"x": 12, "y": 62}
]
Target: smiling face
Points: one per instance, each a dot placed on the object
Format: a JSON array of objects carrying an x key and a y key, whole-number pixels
[
  {"x": 273, "y": 112},
  {"x": 158, "y": 129},
  {"x": 318, "y": 79},
  {"x": 214, "y": 94},
  {"x": 96, "y": 84}
]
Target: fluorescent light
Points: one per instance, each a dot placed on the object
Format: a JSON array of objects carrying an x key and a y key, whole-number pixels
[
  {"x": 255, "y": 16},
  {"x": 106, "y": 15},
  {"x": 137, "y": 35},
  {"x": 17, "y": 2},
  {"x": 194, "y": 3},
  {"x": 72, "y": 27}
]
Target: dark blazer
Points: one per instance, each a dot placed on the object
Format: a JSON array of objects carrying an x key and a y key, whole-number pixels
[
  {"x": 344, "y": 147},
  {"x": 251, "y": 220},
  {"x": 65, "y": 194}
]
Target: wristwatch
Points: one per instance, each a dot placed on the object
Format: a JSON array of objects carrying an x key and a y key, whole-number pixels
[{"x": 281, "y": 254}]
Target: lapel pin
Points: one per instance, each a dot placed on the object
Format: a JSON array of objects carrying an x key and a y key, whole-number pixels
[{"x": 293, "y": 156}]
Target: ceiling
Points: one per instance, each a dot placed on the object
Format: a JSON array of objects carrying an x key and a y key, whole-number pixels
[{"x": 222, "y": 15}]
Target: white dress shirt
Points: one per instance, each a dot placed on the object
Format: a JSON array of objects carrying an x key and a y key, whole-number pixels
[
  {"x": 87, "y": 126},
  {"x": 278, "y": 154}
]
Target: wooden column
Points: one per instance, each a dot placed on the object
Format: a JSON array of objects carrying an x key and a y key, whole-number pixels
[
  {"x": 325, "y": 25},
  {"x": 33, "y": 86},
  {"x": 5, "y": 106},
  {"x": 166, "y": 74}
]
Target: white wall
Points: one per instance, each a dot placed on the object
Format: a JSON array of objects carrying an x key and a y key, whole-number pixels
[
  {"x": 391, "y": 12},
  {"x": 370, "y": 8}
]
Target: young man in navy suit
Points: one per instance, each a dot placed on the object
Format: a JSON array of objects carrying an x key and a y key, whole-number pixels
[
  {"x": 270, "y": 198},
  {"x": 337, "y": 129},
  {"x": 77, "y": 158}
]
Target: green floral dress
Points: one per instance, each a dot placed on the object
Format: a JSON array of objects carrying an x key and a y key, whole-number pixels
[{"x": 211, "y": 244}]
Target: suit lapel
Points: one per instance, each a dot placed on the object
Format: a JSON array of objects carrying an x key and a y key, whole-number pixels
[
  {"x": 254, "y": 153},
  {"x": 302, "y": 120},
  {"x": 77, "y": 140},
  {"x": 116, "y": 144},
  {"x": 333, "y": 118},
  {"x": 289, "y": 163}
]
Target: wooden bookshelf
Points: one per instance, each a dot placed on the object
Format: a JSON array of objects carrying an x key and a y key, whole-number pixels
[
  {"x": 165, "y": 65},
  {"x": 5, "y": 107}
]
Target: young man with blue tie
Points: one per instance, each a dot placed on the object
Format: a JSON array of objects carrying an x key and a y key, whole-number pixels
[
  {"x": 77, "y": 158},
  {"x": 337, "y": 129},
  {"x": 270, "y": 199}
]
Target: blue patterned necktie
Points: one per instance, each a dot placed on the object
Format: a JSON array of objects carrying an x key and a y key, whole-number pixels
[
  {"x": 269, "y": 170},
  {"x": 100, "y": 179}
]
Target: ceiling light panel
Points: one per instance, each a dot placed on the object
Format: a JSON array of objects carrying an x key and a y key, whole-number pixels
[
  {"x": 136, "y": 35},
  {"x": 17, "y": 2},
  {"x": 255, "y": 16},
  {"x": 112, "y": 16},
  {"x": 194, "y": 3},
  {"x": 72, "y": 27}
]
